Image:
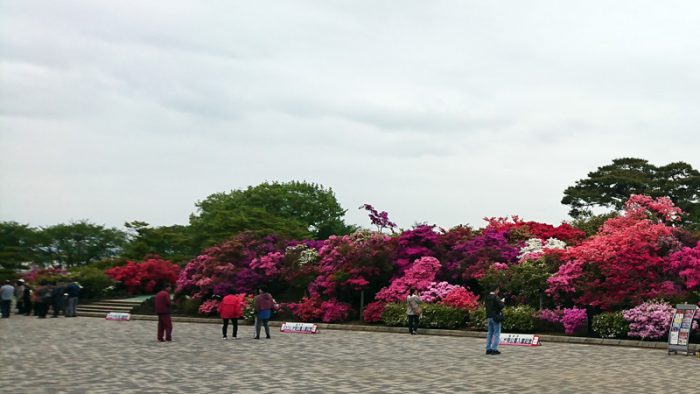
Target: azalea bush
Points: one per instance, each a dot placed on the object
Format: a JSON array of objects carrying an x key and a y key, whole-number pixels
[
  {"x": 335, "y": 311},
  {"x": 574, "y": 319},
  {"x": 461, "y": 298},
  {"x": 209, "y": 307},
  {"x": 145, "y": 277},
  {"x": 610, "y": 325},
  {"x": 649, "y": 320},
  {"x": 37, "y": 275},
  {"x": 418, "y": 276},
  {"x": 308, "y": 309},
  {"x": 373, "y": 312}
]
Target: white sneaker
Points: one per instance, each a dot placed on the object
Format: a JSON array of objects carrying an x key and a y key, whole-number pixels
[{"x": 225, "y": 338}]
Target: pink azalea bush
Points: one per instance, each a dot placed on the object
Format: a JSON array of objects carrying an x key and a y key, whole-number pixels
[
  {"x": 335, "y": 311},
  {"x": 373, "y": 312},
  {"x": 418, "y": 276},
  {"x": 209, "y": 306},
  {"x": 649, "y": 320},
  {"x": 573, "y": 319},
  {"x": 687, "y": 263},
  {"x": 436, "y": 291},
  {"x": 553, "y": 316}
]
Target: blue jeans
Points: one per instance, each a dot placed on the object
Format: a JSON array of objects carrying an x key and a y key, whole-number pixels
[{"x": 493, "y": 337}]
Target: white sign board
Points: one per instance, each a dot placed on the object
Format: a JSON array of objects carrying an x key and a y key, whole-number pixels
[
  {"x": 118, "y": 316},
  {"x": 299, "y": 328},
  {"x": 520, "y": 340}
]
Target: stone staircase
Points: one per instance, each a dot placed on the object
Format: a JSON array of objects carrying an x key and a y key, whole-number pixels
[{"x": 102, "y": 308}]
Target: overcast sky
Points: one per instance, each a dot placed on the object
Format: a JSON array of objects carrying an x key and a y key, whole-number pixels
[{"x": 439, "y": 112}]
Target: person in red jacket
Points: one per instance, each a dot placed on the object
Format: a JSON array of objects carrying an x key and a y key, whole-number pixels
[
  {"x": 231, "y": 308},
  {"x": 163, "y": 310}
]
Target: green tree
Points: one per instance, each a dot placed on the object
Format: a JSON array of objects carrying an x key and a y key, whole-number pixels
[
  {"x": 611, "y": 185},
  {"x": 18, "y": 244},
  {"x": 294, "y": 209},
  {"x": 174, "y": 243},
  {"x": 79, "y": 243}
]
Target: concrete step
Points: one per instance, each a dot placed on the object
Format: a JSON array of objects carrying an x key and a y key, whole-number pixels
[{"x": 111, "y": 305}]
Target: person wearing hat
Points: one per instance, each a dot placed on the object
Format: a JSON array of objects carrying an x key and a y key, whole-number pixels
[{"x": 7, "y": 291}]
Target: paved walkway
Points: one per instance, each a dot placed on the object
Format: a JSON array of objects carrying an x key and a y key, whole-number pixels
[{"x": 94, "y": 355}]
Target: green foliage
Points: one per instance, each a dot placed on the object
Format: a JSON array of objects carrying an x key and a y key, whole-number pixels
[
  {"x": 93, "y": 280},
  {"x": 610, "y": 325},
  {"x": 526, "y": 281},
  {"x": 591, "y": 224},
  {"x": 18, "y": 244},
  {"x": 519, "y": 318},
  {"x": 174, "y": 243},
  {"x": 441, "y": 316},
  {"x": 395, "y": 315},
  {"x": 611, "y": 185},
  {"x": 477, "y": 318},
  {"x": 79, "y": 243},
  {"x": 296, "y": 210}
]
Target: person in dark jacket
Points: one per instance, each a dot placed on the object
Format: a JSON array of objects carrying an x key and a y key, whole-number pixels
[
  {"x": 73, "y": 291},
  {"x": 494, "y": 308},
  {"x": 42, "y": 298},
  {"x": 27, "y": 300},
  {"x": 57, "y": 300},
  {"x": 163, "y": 310},
  {"x": 263, "y": 311}
]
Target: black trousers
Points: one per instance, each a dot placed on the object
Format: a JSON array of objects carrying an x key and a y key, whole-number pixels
[
  {"x": 412, "y": 323},
  {"x": 234, "y": 322},
  {"x": 41, "y": 309}
]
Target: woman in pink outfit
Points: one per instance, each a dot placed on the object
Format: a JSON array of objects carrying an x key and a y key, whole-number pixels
[{"x": 231, "y": 308}]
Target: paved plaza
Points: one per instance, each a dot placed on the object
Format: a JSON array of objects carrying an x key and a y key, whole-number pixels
[{"x": 94, "y": 355}]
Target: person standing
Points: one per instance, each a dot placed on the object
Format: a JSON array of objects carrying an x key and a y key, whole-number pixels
[
  {"x": 19, "y": 296},
  {"x": 163, "y": 310},
  {"x": 73, "y": 291},
  {"x": 494, "y": 314},
  {"x": 7, "y": 291},
  {"x": 57, "y": 301},
  {"x": 413, "y": 311},
  {"x": 27, "y": 299},
  {"x": 231, "y": 308},
  {"x": 263, "y": 311},
  {"x": 41, "y": 299}
]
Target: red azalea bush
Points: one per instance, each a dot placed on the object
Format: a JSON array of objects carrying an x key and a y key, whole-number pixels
[
  {"x": 208, "y": 307},
  {"x": 626, "y": 262},
  {"x": 37, "y": 275},
  {"x": 145, "y": 277},
  {"x": 373, "y": 312},
  {"x": 308, "y": 309},
  {"x": 461, "y": 298},
  {"x": 565, "y": 232}
]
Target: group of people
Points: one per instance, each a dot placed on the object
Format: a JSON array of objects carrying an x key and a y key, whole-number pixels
[
  {"x": 231, "y": 308},
  {"x": 494, "y": 317},
  {"x": 61, "y": 297}
]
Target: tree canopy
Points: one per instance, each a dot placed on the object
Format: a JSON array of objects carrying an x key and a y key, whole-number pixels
[
  {"x": 79, "y": 243},
  {"x": 18, "y": 244},
  {"x": 293, "y": 209},
  {"x": 611, "y": 185},
  {"x": 174, "y": 243}
]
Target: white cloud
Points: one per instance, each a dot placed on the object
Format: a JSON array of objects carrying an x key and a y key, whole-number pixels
[{"x": 443, "y": 112}]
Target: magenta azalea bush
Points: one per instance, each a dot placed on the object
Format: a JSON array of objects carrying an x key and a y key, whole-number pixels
[
  {"x": 573, "y": 319},
  {"x": 208, "y": 307},
  {"x": 373, "y": 312},
  {"x": 553, "y": 316},
  {"x": 418, "y": 276}
]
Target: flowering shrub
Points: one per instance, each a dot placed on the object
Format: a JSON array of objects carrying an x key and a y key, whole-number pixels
[
  {"x": 610, "y": 325},
  {"x": 553, "y": 316},
  {"x": 335, "y": 311},
  {"x": 268, "y": 263},
  {"x": 37, "y": 275},
  {"x": 209, "y": 307},
  {"x": 573, "y": 319},
  {"x": 418, "y": 276},
  {"x": 308, "y": 309},
  {"x": 625, "y": 263},
  {"x": 461, "y": 298},
  {"x": 420, "y": 241},
  {"x": 687, "y": 263},
  {"x": 480, "y": 252},
  {"x": 543, "y": 231},
  {"x": 379, "y": 219},
  {"x": 649, "y": 320},
  {"x": 436, "y": 291},
  {"x": 145, "y": 277},
  {"x": 535, "y": 249},
  {"x": 373, "y": 312}
]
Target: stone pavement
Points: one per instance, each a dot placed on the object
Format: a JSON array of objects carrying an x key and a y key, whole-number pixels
[{"x": 94, "y": 355}]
